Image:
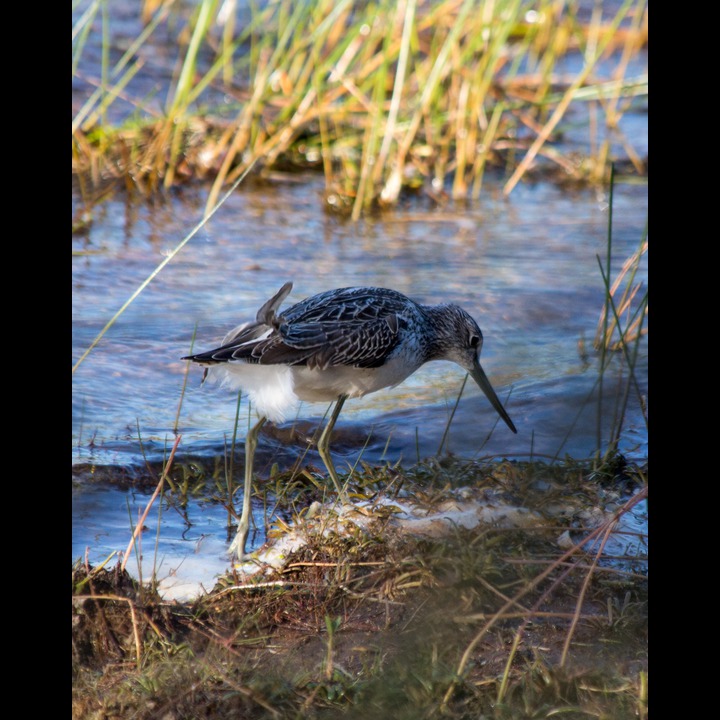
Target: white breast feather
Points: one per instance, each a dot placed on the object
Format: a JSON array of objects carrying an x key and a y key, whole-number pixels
[{"x": 268, "y": 387}]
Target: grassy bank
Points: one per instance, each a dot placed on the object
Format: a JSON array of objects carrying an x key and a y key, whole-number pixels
[
  {"x": 383, "y": 98},
  {"x": 489, "y": 621}
]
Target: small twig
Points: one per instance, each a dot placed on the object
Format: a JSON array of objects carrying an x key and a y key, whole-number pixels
[
  {"x": 141, "y": 523},
  {"x": 529, "y": 587},
  {"x": 452, "y": 415},
  {"x": 119, "y": 598},
  {"x": 583, "y": 590},
  {"x": 528, "y": 615},
  {"x": 334, "y": 564}
]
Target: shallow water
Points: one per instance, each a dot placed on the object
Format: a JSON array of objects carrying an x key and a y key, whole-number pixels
[{"x": 525, "y": 267}]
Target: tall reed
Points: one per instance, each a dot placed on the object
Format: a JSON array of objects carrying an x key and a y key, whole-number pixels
[{"x": 383, "y": 97}]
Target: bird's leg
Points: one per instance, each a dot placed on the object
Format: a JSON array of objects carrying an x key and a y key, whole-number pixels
[
  {"x": 238, "y": 544},
  {"x": 323, "y": 447}
]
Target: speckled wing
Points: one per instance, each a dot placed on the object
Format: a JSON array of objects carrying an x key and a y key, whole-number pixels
[
  {"x": 351, "y": 326},
  {"x": 347, "y": 305},
  {"x": 363, "y": 344}
]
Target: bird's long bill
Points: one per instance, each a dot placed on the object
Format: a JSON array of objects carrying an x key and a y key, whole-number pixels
[{"x": 479, "y": 376}]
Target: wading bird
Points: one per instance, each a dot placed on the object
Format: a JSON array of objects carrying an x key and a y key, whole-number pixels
[{"x": 336, "y": 345}]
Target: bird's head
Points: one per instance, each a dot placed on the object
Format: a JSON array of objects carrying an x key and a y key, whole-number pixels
[{"x": 462, "y": 343}]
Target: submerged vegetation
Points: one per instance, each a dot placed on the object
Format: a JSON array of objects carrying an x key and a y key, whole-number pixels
[{"x": 382, "y": 97}]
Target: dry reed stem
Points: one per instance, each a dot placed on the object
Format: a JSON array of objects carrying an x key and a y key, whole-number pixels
[
  {"x": 604, "y": 338},
  {"x": 610, "y": 526},
  {"x": 141, "y": 522}
]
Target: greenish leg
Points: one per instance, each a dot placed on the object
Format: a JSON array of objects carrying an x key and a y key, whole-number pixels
[
  {"x": 238, "y": 544},
  {"x": 324, "y": 447}
]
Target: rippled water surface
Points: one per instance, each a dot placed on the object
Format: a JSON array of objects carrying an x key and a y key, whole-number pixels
[{"x": 525, "y": 267}]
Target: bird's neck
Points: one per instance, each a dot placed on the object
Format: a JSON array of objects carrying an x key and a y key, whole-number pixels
[{"x": 436, "y": 333}]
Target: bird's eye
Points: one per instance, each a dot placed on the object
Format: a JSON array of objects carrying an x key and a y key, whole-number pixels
[{"x": 474, "y": 341}]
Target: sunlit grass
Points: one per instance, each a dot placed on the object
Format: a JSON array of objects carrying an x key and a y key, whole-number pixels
[{"x": 381, "y": 97}]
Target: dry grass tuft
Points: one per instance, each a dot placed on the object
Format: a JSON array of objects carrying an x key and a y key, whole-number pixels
[{"x": 486, "y": 622}]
